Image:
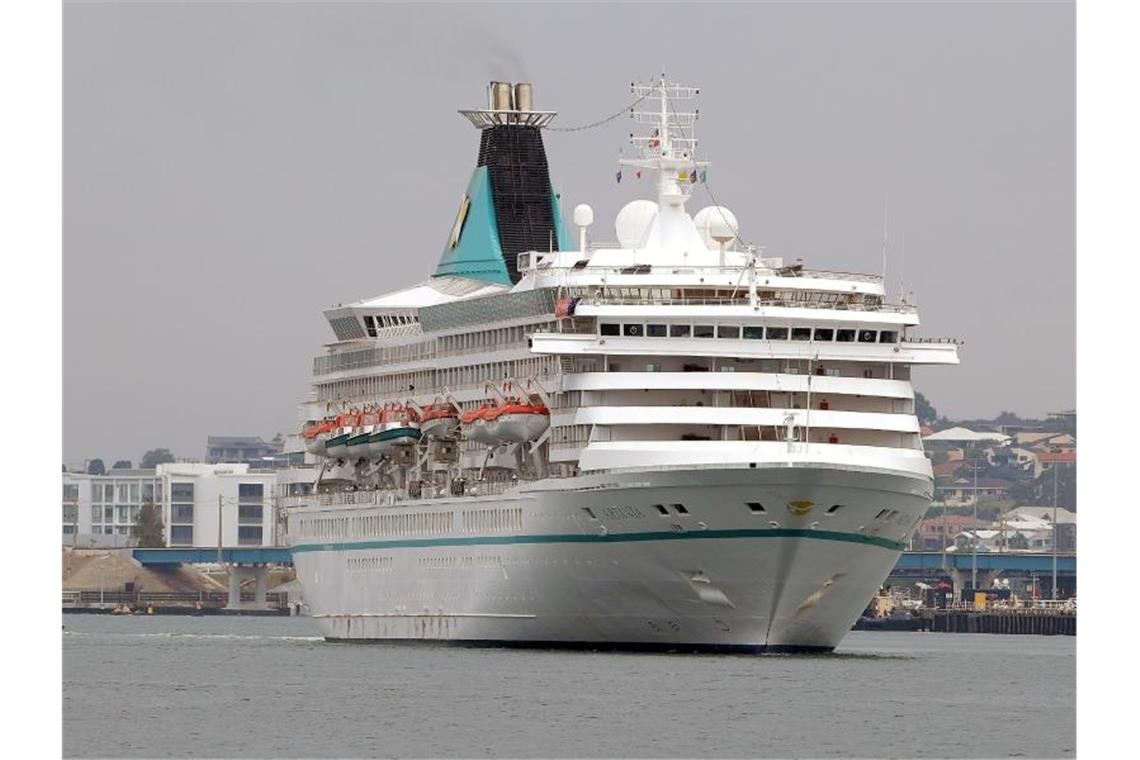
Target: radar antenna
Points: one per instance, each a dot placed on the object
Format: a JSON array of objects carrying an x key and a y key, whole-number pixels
[{"x": 670, "y": 149}]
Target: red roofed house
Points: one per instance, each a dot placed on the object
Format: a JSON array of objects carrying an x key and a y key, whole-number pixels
[
  {"x": 961, "y": 491},
  {"x": 1046, "y": 460},
  {"x": 936, "y": 533}
]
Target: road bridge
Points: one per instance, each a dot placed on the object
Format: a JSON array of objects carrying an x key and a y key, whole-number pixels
[
  {"x": 959, "y": 567},
  {"x": 241, "y": 563}
]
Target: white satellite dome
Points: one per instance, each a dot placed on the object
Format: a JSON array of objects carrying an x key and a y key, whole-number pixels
[
  {"x": 632, "y": 222},
  {"x": 583, "y": 215},
  {"x": 716, "y": 224}
]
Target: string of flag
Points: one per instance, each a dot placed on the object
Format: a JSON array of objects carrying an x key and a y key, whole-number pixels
[{"x": 684, "y": 175}]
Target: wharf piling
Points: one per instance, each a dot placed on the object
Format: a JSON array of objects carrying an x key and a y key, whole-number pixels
[
  {"x": 1034, "y": 621},
  {"x": 173, "y": 603}
]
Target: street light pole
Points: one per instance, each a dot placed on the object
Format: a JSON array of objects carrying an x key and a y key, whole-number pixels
[
  {"x": 974, "y": 543},
  {"x": 219, "y": 529},
  {"x": 1056, "y": 466}
]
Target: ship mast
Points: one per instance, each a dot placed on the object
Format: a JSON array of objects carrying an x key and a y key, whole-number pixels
[
  {"x": 671, "y": 147},
  {"x": 669, "y": 150}
]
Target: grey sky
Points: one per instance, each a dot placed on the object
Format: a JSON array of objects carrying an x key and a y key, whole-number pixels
[{"x": 231, "y": 170}]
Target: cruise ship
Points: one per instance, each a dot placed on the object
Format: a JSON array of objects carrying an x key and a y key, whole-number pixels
[{"x": 672, "y": 441}]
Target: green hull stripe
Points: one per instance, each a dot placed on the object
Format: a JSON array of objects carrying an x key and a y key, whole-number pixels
[{"x": 580, "y": 538}]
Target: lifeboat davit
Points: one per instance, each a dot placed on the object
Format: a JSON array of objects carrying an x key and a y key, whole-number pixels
[
  {"x": 358, "y": 443},
  {"x": 518, "y": 422},
  {"x": 316, "y": 435},
  {"x": 398, "y": 425},
  {"x": 337, "y": 444},
  {"x": 439, "y": 420}
]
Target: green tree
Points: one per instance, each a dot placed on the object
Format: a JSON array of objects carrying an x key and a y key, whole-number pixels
[
  {"x": 1007, "y": 418},
  {"x": 155, "y": 457},
  {"x": 148, "y": 528},
  {"x": 122, "y": 464},
  {"x": 924, "y": 410},
  {"x": 96, "y": 467}
]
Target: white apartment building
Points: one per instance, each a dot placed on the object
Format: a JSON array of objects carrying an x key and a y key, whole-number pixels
[{"x": 100, "y": 509}]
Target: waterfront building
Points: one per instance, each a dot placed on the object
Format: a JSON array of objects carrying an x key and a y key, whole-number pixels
[
  {"x": 99, "y": 510},
  {"x": 936, "y": 533},
  {"x": 965, "y": 490},
  {"x": 1066, "y": 523},
  {"x": 1047, "y": 460},
  {"x": 197, "y": 495},
  {"x": 960, "y": 437},
  {"x": 1021, "y": 529},
  {"x": 248, "y": 449}
]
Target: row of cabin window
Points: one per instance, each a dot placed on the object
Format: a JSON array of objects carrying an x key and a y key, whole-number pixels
[{"x": 748, "y": 332}]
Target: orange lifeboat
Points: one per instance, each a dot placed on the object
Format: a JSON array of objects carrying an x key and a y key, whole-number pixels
[
  {"x": 513, "y": 421},
  {"x": 398, "y": 425},
  {"x": 316, "y": 435},
  {"x": 475, "y": 425},
  {"x": 518, "y": 422},
  {"x": 358, "y": 446},
  {"x": 343, "y": 428},
  {"x": 439, "y": 420}
]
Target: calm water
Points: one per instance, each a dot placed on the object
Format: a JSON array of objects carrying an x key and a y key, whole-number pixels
[{"x": 270, "y": 687}]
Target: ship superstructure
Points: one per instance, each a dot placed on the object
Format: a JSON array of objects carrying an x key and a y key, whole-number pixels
[{"x": 672, "y": 441}]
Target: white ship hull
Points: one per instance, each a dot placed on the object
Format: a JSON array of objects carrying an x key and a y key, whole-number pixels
[{"x": 532, "y": 567}]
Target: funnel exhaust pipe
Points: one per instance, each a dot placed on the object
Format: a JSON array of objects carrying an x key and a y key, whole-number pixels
[
  {"x": 523, "y": 92},
  {"x": 501, "y": 96}
]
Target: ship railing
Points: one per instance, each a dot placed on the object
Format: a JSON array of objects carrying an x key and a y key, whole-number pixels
[
  {"x": 743, "y": 300},
  {"x": 489, "y": 487},
  {"x": 290, "y": 502},
  {"x": 917, "y": 339},
  {"x": 1039, "y": 606},
  {"x": 349, "y": 498},
  {"x": 742, "y": 271}
]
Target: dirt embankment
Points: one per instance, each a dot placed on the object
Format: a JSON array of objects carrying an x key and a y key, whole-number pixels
[{"x": 112, "y": 569}]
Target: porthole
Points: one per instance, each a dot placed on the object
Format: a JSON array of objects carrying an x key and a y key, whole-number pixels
[
  {"x": 756, "y": 507},
  {"x": 680, "y": 508},
  {"x": 834, "y": 508},
  {"x": 661, "y": 509}
]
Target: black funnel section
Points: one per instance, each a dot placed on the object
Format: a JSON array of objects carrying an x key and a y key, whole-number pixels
[{"x": 520, "y": 190}]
